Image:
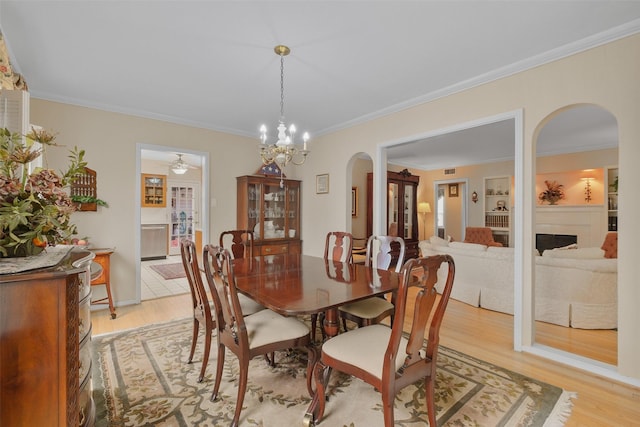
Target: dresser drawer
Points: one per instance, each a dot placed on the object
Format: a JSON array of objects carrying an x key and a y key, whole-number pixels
[
  {"x": 84, "y": 284},
  {"x": 275, "y": 249},
  {"x": 84, "y": 317},
  {"x": 84, "y": 358}
]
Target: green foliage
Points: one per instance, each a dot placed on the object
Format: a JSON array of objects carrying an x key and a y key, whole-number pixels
[
  {"x": 89, "y": 199},
  {"x": 35, "y": 208}
]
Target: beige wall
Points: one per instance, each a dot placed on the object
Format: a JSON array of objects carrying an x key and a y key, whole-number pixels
[
  {"x": 606, "y": 76},
  {"x": 110, "y": 142}
]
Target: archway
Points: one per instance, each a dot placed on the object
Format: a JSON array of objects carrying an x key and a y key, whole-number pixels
[{"x": 576, "y": 302}]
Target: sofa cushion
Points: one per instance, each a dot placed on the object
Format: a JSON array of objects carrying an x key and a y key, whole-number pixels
[
  {"x": 468, "y": 246},
  {"x": 580, "y": 253},
  {"x": 610, "y": 245}
]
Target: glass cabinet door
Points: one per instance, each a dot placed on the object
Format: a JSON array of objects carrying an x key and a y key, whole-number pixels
[
  {"x": 393, "y": 209},
  {"x": 254, "y": 211},
  {"x": 293, "y": 208},
  {"x": 408, "y": 210},
  {"x": 274, "y": 211}
]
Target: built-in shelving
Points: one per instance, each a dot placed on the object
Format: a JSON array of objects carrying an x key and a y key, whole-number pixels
[
  {"x": 612, "y": 198},
  {"x": 497, "y": 207}
]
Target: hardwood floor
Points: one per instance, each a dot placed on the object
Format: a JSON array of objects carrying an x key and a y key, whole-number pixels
[{"x": 479, "y": 333}]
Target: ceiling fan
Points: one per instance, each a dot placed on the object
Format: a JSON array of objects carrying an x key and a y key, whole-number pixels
[{"x": 179, "y": 166}]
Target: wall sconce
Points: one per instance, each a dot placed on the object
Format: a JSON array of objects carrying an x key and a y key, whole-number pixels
[
  {"x": 474, "y": 197},
  {"x": 424, "y": 208},
  {"x": 587, "y": 189}
]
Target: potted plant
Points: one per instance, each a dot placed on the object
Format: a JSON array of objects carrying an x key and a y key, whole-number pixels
[
  {"x": 35, "y": 206},
  {"x": 553, "y": 193}
]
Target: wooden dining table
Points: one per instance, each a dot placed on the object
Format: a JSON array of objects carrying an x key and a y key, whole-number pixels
[{"x": 294, "y": 284}]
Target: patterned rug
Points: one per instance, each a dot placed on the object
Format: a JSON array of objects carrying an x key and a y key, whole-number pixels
[
  {"x": 169, "y": 271},
  {"x": 141, "y": 377}
]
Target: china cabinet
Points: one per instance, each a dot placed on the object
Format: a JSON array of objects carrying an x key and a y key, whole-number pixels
[
  {"x": 497, "y": 207},
  {"x": 45, "y": 351},
  {"x": 612, "y": 198},
  {"x": 271, "y": 211},
  {"x": 154, "y": 191},
  {"x": 402, "y": 209}
]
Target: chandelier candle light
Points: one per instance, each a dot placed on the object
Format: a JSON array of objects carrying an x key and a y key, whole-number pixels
[{"x": 284, "y": 150}]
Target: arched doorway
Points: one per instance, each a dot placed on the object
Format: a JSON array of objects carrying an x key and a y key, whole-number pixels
[{"x": 576, "y": 148}]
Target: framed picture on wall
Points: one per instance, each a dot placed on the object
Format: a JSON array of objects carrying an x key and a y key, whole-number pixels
[
  {"x": 354, "y": 201},
  {"x": 322, "y": 183},
  {"x": 453, "y": 190}
]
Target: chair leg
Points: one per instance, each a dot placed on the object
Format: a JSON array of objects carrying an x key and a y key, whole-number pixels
[
  {"x": 429, "y": 388},
  {"x": 314, "y": 322},
  {"x": 205, "y": 357},
  {"x": 194, "y": 338},
  {"x": 219, "y": 368},
  {"x": 387, "y": 409},
  {"x": 242, "y": 389},
  {"x": 322, "y": 331}
]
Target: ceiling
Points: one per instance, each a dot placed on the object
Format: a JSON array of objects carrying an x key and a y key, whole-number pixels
[{"x": 211, "y": 64}]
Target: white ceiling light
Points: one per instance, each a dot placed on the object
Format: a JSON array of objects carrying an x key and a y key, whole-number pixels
[
  {"x": 179, "y": 166},
  {"x": 284, "y": 150}
]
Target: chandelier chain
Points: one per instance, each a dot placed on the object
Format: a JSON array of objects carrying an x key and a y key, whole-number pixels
[{"x": 281, "y": 87}]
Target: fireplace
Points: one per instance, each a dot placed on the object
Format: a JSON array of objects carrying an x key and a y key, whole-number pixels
[{"x": 550, "y": 241}]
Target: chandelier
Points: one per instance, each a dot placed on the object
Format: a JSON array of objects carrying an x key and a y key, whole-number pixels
[{"x": 284, "y": 150}]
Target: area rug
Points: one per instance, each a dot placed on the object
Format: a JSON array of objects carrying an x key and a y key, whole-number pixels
[
  {"x": 169, "y": 271},
  {"x": 141, "y": 377}
]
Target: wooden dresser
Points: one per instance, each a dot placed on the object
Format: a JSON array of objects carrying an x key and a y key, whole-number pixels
[{"x": 45, "y": 345}]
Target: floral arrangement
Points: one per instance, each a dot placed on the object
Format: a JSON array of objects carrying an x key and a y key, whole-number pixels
[
  {"x": 553, "y": 193},
  {"x": 35, "y": 206}
]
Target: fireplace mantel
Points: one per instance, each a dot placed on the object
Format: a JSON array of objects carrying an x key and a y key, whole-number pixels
[{"x": 588, "y": 222}]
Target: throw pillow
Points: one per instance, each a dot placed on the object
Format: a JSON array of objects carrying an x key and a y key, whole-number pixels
[
  {"x": 438, "y": 241},
  {"x": 610, "y": 245}
]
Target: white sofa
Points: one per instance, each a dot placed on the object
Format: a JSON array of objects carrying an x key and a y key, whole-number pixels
[{"x": 573, "y": 287}]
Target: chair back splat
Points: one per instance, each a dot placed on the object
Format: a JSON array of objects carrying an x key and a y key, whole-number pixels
[
  {"x": 238, "y": 242},
  {"x": 338, "y": 246},
  {"x": 200, "y": 302},
  {"x": 383, "y": 255},
  {"x": 385, "y": 357}
]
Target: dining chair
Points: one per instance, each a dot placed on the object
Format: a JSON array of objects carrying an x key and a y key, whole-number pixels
[
  {"x": 338, "y": 247},
  {"x": 202, "y": 306},
  {"x": 200, "y": 302},
  {"x": 373, "y": 310},
  {"x": 252, "y": 335},
  {"x": 385, "y": 357},
  {"x": 238, "y": 242}
]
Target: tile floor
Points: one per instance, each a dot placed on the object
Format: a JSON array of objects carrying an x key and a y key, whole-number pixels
[{"x": 154, "y": 286}]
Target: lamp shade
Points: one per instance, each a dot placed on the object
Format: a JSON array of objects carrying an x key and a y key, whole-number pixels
[{"x": 424, "y": 207}]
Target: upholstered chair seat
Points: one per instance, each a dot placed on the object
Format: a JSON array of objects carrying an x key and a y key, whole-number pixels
[{"x": 364, "y": 348}]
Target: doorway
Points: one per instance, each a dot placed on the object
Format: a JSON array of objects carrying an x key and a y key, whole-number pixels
[
  {"x": 450, "y": 209},
  {"x": 183, "y": 215}
]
